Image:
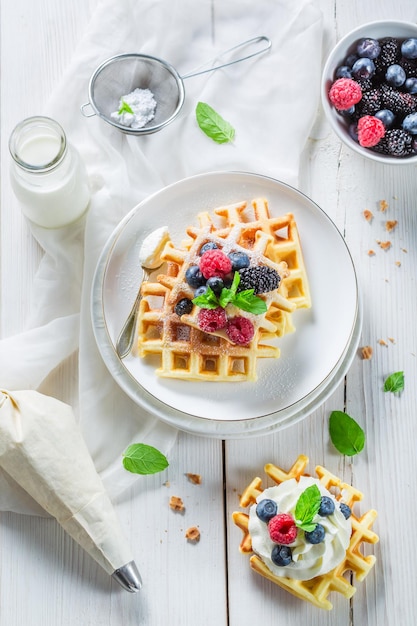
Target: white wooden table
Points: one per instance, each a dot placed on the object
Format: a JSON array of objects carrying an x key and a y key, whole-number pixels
[{"x": 46, "y": 579}]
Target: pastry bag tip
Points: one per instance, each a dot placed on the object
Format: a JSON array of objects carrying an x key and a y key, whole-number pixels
[{"x": 128, "y": 577}]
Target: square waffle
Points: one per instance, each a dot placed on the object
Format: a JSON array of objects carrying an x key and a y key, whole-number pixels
[
  {"x": 176, "y": 344},
  {"x": 317, "y": 589}
]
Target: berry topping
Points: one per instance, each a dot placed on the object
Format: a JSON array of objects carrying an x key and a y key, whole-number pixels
[
  {"x": 194, "y": 277},
  {"x": 409, "y": 48},
  {"x": 215, "y": 263},
  {"x": 281, "y": 555},
  {"x": 316, "y": 535},
  {"x": 345, "y": 510},
  {"x": 344, "y": 93},
  {"x": 239, "y": 260},
  {"x": 210, "y": 245},
  {"x": 210, "y": 320},
  {"x": 240, "y": 330},
  {"x": 282, "y": 529},
  {"x": 266, "y": 509},
  {"x": 216, "y": 284},
  {"x": 200, "y": 291},
  {"x": 326, "y": 506},
  {"x": 260, "y": 278},
  {"x": 183, "y": 306},
  {"x": 370, "y": 131}
]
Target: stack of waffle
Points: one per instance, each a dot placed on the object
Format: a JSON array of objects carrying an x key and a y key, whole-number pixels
[{"x": 176, "y": 344}]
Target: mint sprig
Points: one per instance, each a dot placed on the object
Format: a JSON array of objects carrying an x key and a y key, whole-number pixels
[
  {"x": 139, "y": 458},
  {"x": 346, "y": 434},
  {"x": 212, "y": 124},
  {"x": 245, "y": 300},
  {"x": 395, "y": 382},
  {"x": 307, "y": 507},
  {"x": 125, "y": 108}
]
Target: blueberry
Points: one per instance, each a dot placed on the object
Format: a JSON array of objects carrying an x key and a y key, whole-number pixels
[
  {"x": 316, "y": 535},
  {"x": 347, "y": 112},
  {"x": 369, "y": 48},
  {"x": 414, "y": 145},
  {"x": 409, "y": 48},
  {"x": 266, "y": 509},
  {"x": 281, "y": 555},
  {"x": 216, "y": 284},
  {"x": 353, "y": 131},
  {"x": 395, "y": 75},
  {"x": 351, "y": 60},
  {"x": 410, "y": 85},
  {"x": 410, "y": 123},
  {"x": 363, "y": 68},
  {"x": 326, "y": 506},
  {"x": 239, "y": 260},
  {"x": 200, "y": 291},
  {"x": 343, "y": 71},
  {"x": 183, "y": 306},
  {"x": 345, "y": 510},
  {"x": 194, "y": 277},
  {"x": 210, "y": 245},
  {"x": 386, "y": 116}
]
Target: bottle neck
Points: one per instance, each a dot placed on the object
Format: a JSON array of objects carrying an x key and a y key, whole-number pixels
[{"x": 38, "y": 144}]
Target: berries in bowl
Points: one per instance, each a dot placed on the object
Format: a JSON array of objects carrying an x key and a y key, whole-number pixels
[{"x": 369, "y": 91}]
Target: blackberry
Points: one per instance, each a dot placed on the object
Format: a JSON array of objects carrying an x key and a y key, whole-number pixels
[
  {"x": 396, "y": 142},
  {"x": 409, "y": 66},
  {"x": 399, "y": 102},
  {"x": 390, "y": 54},
  {"x": 260, "y": 278},
  {"x": 370, "y": 103}
]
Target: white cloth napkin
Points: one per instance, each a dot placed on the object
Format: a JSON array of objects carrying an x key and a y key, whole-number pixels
[{"x": 271, "y": 100}]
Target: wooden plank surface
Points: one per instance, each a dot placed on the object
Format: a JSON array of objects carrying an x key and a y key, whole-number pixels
[{"x": 45, "y": 578}]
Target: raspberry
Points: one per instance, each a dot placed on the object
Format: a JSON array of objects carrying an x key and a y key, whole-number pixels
[
  {"x": 210, "y": 320},
  {"x": 344, "y": 93},
  {"x": 282, "y": 529},
  {"x": 240, "y": 330},
  {"x": 215, "y": 263},
  {"x": 370, "y": 131}
]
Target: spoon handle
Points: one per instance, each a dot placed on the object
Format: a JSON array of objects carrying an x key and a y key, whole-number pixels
[{"x": 127, "y": 334}]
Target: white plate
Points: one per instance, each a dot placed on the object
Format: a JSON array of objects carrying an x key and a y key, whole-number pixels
[{"x": 313, "y": 359}]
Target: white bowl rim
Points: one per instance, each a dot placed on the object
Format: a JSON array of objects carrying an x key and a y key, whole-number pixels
[{"x": 332, "y": 116}]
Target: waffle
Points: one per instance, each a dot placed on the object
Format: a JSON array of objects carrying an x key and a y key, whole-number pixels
[
  {"x": 176, "y": 345},
  {"x": 317, "y": 589}
]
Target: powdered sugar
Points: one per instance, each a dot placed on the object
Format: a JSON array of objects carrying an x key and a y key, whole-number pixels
[{"x": 136, "y": 109}]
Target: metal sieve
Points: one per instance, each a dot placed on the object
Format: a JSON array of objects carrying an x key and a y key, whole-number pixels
[{"x": 123, "y": 73}]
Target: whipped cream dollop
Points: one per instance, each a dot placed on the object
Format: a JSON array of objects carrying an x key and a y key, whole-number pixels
[
  {"x": 152, "y": 246},
  {"x": 308, "y": 560}
]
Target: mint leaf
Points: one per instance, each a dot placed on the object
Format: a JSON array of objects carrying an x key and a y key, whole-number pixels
[
  {"x": 228, "y": 295},
  {"x": 307, "y": 507},
  {"x": 207, "y": 300},
  {"x": 346, "y": 434},
  {"x": 247, "y": 301},
  {"x": 213, "y": 125},
  {"x": 139, "y": 458},
  {"x": 395, "y": 382},
  {"x": 125, "y": 108}
]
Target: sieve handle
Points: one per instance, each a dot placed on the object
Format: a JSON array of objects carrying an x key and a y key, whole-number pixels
[
  {"x": 254, "y": 40},
  {"x": 83, "y": 107}
]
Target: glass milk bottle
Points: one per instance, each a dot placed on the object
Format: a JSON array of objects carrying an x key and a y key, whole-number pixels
[{"x": 48, "y": 176}]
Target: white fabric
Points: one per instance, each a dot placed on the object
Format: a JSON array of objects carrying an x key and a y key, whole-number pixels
[{"x": 271, "y": 100}]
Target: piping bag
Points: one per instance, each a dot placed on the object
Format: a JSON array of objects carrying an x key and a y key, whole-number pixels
[{"x": 42, "y": 449}]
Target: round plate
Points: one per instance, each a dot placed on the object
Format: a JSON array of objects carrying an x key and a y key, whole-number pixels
[{"x": 313, "y": 360}]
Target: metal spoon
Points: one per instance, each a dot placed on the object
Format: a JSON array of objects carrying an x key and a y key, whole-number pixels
[{"x": 149, "y": 258}]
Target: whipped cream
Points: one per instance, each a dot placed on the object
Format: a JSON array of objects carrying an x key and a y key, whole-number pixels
[
  {"x": 152, "y": 246},
  {"x": 308, "y": 560}
]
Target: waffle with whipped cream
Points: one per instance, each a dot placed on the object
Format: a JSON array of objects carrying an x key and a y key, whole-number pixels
[
  {"x": 177, "y": 344},
  {"x": 316, "y": 589}
]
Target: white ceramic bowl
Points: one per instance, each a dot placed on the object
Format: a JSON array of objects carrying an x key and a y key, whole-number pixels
[{"x": 375, "y": 30}]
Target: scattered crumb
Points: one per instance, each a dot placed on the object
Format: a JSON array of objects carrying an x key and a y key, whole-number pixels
[
  {"x": 390, "y": 225},
  {"x": 385, "y": 245},
  {"x": 382, "y": 342},
  {"x": 167, "y": 483},
  {"x": 404, "y": 250},
  {"x": 367, "y": 352},
  {"x": 368, "y": 215},
  {"x": 371, "y": 252},
  {"x": 398, "y": 263},
  {"x": 194, "y": 478},
  {"x": 383, "y": 205},
  {"x": 192, "y": 534},
  {"x": 176, "y": 503},
  {"x": 391, "y": 339}
]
